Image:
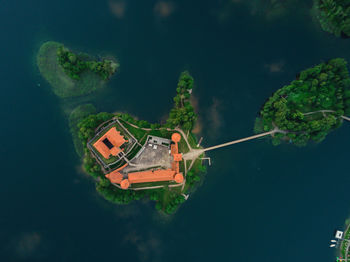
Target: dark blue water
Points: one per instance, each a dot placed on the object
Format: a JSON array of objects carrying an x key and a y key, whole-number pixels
[{"x": 257, "y": 202}]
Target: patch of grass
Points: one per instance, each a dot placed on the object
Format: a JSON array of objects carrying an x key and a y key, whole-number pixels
[
  {"x": 161, "y": 133},
  {"x": 183, "y": 148},
  {"x": 134, "y": 152},
  {"x": 75, "y": 116},
  {"x": 117, "y": 165},
  {"x": 136, "y": 132},
  {"x": 182, "y": 167},
  {"x": 62, "y": 85},
  {"x": 192, "y": 140}
]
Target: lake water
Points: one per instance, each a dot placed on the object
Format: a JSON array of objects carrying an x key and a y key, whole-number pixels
[{"x": 257, "y": 202}]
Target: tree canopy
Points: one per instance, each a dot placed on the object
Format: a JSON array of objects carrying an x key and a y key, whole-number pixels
[
  {"x": 334, "y": 16},
  {"x": 183, "y": 114},
  {"x": 311, "y": 106},
  {"x": 73, "y": 64}
]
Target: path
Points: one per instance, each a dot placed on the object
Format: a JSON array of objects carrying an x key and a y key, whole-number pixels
[
  {"x": 319, "y": 111},
  {"x": 326, "y": 111},
  {"x": 346, "y": 118},
  {"x": 195, "y": 153}
]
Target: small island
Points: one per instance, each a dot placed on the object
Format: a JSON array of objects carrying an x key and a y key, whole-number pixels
[
  {"x": 132, "y": 159},
  {"x": 310, "y": 107},
  {"x": 73, "y": 74},
  {"x": 334, "y": 16}
]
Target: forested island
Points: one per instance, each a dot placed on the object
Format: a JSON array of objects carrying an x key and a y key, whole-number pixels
[
  {"x": 73, "y": 74},
  {"x": 334, "y": 16},
  {"x": 310, "y": 107},
  {"x": 84, "y": 124}
]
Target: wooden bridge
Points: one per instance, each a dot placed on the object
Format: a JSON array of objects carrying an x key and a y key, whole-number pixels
[{"x": 195, "y": 153}]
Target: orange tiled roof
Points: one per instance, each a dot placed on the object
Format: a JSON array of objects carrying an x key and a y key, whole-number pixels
[
  {"x": 115, "y": 138},
  {"x": 177, "y": 157},
  {"x": 125, "y": 184},
  {"x": 179, "y": 178},
  {"x": 174, "y": 149},
  {"x": 172, "y": 174},
  {"x": 115, "y": 176},
  {"x": 176, "y": 137},
  {"x": 151, "y": 176}
]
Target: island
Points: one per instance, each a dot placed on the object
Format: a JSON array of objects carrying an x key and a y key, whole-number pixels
[
  {"x": 73, "y": 74},
  {"x": 132, "y": 159},
  {"x": 334, "y": 16},
  {"x": 310, "y": 107}
]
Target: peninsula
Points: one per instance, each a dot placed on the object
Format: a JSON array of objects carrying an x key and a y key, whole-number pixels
[
  {"x": 73, "y": 74},
  {"x": 310, "y": 107}
]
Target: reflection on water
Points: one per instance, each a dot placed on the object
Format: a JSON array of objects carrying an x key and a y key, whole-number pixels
[
  {"x": 253, "y": 194},
  {"x": 267, "y": 9}
]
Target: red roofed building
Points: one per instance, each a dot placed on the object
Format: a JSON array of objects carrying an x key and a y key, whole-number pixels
[
  {"x": 172, "y": 174},
  {"x": 110, "y": 143},
  {"x": 151, "y": 176},
  {"x": 176, "y": 138},
  {"x": 177, "y": 157},
  {"x": 115, "y": 176}
]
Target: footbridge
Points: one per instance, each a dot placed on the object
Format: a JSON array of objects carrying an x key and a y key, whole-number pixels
[
  {"x": 346, "y": 118},
  {"x": 195, "y": 153}
]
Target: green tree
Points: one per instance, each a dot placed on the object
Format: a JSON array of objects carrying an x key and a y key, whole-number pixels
[{"x": 294, "y": 107}]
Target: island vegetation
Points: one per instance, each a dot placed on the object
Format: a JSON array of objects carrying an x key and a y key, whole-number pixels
[
  {"x": 75, "y": 116},
  {"x": 311, "y": 106},
  {"x": 84, "y": 124},
  {"x": 344, "y": 245},
  {"x": 334, "y": 16},
  {"x": 74, "y": 65},
  {"x": 183, "y": 115},
  {"x": 71, "y": 74}
]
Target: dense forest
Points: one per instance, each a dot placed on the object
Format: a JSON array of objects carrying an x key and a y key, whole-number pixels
[
  {"x": 334, "y": 16},
  {"x": 311, "y": 106},
  {"x": 182, "y": 115},
  {"x": 73, "y": 64}
]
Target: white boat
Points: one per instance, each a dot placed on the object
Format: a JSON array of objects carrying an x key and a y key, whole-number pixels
[
  {"x": 333, "y": 245},
  {"x": 333, "y": 241}
]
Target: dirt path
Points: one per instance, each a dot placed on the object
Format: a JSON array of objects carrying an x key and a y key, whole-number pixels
[{"x": 326, "y": 111}]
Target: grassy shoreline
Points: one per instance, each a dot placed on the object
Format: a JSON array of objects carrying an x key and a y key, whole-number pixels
[{"x": 63, "y": 85}]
